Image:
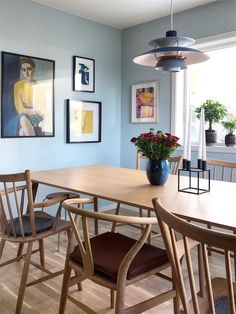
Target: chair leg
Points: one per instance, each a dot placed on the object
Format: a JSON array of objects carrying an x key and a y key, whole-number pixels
[
  {"x": 178, "y": 284},
  {"x": 2, "y": 244},
  {"x": 120, "y": 297},
  {"x": 209, "y": 252},
  {"x": 58, "y": 216},
  {"x": 41, "y": 253},
  {"x": 176, "y": 301},
  {"x": 112, "y": 297},
  {"x": 117, "y": 211},
  {"x": 149, "y": 240},
  {"x": 24, "y": 279},
  {"x": 65, "y": 287},
  {"x": 79, "y": 284},
  {"x": 58, "y": 241},
  {"x": 141, "y": 215},
  {"x": 20, "y": 249}
]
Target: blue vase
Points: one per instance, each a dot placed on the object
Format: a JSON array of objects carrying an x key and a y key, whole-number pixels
[{"x": 157, "y": 171}]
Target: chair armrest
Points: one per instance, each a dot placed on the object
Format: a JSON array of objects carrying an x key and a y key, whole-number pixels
[{"x": 47, "y": 203}]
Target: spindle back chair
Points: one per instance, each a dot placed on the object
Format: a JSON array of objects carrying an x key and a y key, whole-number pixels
[
  {"x": 22, "y": 224},
  {"x": 219, "y": 292},
  {"x": 111, "y": 259},
  {"x": 222, "y": 170}
]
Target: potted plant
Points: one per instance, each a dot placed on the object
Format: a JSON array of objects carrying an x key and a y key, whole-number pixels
[
  {"x": 157, "y": 146},
  {"x": 230, "y": 126},
  {"x": 214, "y": 113}
]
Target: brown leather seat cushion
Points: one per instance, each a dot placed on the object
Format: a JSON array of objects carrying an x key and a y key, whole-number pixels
[{"x": 109, "y": 250}]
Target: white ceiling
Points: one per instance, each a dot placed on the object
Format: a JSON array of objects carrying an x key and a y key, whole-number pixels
[{"x": 122, "y": 13}]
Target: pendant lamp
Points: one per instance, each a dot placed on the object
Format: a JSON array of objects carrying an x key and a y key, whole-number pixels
[{"x": 171, "y": 53}]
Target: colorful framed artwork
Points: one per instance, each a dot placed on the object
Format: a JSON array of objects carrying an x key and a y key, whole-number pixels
[
  {"x": 27, "y": 108},
  {"x": 145, "y": 102},
  {"x": 83, "y": 121},
  {"x": 83, "y": 74}
]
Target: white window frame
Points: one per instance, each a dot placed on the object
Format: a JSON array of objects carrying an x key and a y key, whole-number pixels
[{"x": 180, "y": 90}]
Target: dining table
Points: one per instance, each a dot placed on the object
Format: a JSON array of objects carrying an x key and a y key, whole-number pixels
[{"x": 131, "y": 187}]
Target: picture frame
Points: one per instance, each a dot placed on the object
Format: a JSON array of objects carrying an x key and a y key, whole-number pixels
[
  {"x": 83, "y": 74},
  {"x": 27, "y": 100},
  {"x": 83, "y": 121},
  {"x": 145, "y": 102}
]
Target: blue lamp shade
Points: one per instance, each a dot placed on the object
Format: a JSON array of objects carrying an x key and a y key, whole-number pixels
[
  {"x": 173, "y": 63},
  {"x": 169, "y": 56}
]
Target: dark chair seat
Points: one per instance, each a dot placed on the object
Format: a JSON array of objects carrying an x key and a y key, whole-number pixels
[
  {"x": 42, "y": 224},
  {"x": 109, "y": 249},
  {"x": 62, "y": 195}
]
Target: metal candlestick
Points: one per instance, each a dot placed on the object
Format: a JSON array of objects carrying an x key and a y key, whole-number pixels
[{"x": 192, "y": 172}]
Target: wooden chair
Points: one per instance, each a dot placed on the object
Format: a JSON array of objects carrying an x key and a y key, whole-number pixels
[
  {"x": 175, "y": 164},
  {"x": 219, "y": 292},
  {"x": 111, "y": 259},
  {"x": 222, "y": 170},
  {"x": 21, "y": 224}
]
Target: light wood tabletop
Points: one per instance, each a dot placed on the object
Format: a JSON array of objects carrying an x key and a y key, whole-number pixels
[{"x": 131, "y": 187}]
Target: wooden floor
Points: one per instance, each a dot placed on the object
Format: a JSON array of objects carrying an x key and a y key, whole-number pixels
[{"x": 44, "y": 298}]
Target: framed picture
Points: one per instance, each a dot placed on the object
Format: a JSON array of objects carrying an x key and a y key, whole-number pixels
[
  {"x": 83, "y": 121},
  {"x": 83, "y": 74},
  {"x": 145, "y": 102},
  {"x": 27, "y": 108}
]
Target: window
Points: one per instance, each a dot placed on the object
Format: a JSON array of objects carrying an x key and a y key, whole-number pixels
[{"x": 214, "y": 79}]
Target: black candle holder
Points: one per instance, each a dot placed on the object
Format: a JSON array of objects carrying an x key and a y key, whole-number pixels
[{"x": 197, "y": 173}]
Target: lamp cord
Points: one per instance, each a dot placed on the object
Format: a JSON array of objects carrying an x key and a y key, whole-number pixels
[{"x": 171, "y": 15}]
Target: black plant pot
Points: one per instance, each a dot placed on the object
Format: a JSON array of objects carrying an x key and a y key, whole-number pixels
[
  {"x": 211, "y": 137},
  {"x": 230, "y": 140}
]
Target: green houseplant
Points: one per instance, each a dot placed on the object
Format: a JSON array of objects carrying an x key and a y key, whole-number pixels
[
  {"x": 214, "y": 113},
  {"x": 157, "y": 146},
  {"x": 230, "y": 126}
]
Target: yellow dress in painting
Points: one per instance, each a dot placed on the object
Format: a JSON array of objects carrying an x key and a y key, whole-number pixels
[{"x": 30, "y": 102}]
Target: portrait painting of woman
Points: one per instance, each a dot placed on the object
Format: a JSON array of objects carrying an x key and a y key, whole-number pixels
[{"x": 28, "y": 96}]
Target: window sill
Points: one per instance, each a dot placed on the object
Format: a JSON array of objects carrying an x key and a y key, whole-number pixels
[{"x": 215, "y": 149}]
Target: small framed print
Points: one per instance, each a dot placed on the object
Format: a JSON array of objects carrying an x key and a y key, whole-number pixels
[
  {"x": 145, "y": 102},
  {"x": 83, "y": 74},
  {"x": 83, "y": 121},
  {"x": 27, "y": 108}
]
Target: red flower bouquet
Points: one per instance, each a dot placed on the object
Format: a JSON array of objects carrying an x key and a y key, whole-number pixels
[{"x": 156, "y": 145}]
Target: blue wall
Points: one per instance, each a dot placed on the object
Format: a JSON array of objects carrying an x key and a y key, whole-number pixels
[
  {"x": 39, "y": 31},
  {"x": 218, "y": 17},
  {"x": 36, "y": 30}
]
